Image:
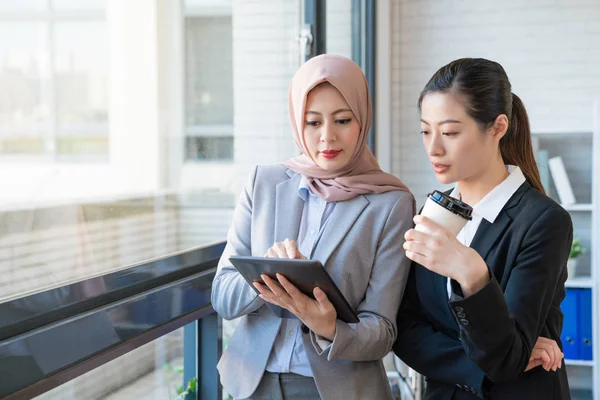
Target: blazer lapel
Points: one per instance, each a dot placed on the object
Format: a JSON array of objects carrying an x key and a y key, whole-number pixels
[
  {"x": 288, "y": 209},
  {"x": 339, "y": 223},
  {"x": 488, "y": 233}
]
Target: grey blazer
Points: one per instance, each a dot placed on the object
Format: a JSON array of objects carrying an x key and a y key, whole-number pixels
[{"x": 361, "y": 248}]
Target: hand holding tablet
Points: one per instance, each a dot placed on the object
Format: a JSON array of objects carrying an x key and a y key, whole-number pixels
[{"x": 303, "y": 274}]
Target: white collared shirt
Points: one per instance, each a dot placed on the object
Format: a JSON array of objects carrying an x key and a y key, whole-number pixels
[{"x": 489, "y": 207}]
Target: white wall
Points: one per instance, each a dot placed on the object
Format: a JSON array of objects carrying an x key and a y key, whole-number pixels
[
  {"x": 550, "y": 50},
  {"x": 265, "y": 57}
]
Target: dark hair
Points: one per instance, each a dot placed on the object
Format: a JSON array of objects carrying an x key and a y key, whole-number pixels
[{"x": 486, "y": 91}]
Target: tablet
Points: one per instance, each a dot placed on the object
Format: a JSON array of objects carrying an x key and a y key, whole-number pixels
[{"x": 304, "y": 274}]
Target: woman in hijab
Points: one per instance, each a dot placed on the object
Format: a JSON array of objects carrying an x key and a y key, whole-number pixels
[{"x": 333, "y": 204}]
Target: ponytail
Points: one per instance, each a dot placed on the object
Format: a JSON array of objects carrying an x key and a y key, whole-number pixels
[{"x": 516, "y": 148}]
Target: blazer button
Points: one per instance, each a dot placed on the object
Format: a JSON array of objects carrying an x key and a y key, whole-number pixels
[
  {"x": 466, "y": 387},
  {"x": 461, "y": 314},
  {"x": 304, "y": 329},
  {"x": 458, "y": 385},
  {"x": 459, "y": 309},
  {"x": 465, "y": 322},
  {"x": 473, "y": 391}
]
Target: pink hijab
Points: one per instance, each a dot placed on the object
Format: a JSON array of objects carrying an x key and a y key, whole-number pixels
[{"x": 362, "y": 174}]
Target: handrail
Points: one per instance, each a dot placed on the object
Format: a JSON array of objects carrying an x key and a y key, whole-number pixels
[{"x": 54, "y": 336}]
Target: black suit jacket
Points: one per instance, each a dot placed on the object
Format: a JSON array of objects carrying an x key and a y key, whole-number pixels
[{"x": 479, "y": 346}]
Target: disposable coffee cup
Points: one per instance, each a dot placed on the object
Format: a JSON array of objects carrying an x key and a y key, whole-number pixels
[{"x": 446, "y": 211}]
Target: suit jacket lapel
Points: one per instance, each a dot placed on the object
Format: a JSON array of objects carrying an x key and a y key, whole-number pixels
[
  {"x": 288, "y": 209},
  {"x": 488, "y": 234},
  {"x": 339, "y": 223}
]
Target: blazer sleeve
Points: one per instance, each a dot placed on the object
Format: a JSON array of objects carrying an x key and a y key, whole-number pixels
[
  {"x": 429, "y": 351},
  {"x": 372, "y": 337},
  {"x": 231, "y": 295},
  {"x": 499, "y": 329}
]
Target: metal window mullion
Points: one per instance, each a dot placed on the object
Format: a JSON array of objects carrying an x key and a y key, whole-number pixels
[
  {"x": 315, "y": 17},
  {"x": 356, "y": 32},
  {"x": 369, "y": 64},
  {"x": 209, "y": 347},
  {"x": 190, "y": 354},
  {"x": 363, "y": 50}
]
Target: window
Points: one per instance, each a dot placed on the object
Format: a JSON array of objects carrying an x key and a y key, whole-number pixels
[
  {"x": 208, "y": 81},
  {"x": 53, "y": 68}
]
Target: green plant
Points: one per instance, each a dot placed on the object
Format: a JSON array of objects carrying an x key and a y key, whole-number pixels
[
  {"x": 189, "y": 389},
  {"x": 576, "y": 248}
]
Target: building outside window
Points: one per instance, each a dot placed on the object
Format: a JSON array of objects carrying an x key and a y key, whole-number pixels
[{"x": 53, "y": 71}]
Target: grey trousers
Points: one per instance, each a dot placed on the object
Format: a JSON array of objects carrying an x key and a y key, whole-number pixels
[{"x": 274, "y": 386}]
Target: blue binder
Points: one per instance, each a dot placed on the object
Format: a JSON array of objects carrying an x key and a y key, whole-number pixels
[
  {"x": 585, "y": 324},
  {"x": 570, "y": 332}
]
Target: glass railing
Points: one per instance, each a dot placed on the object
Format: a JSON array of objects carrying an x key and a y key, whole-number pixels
[{"x": 49, "y": 246}]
